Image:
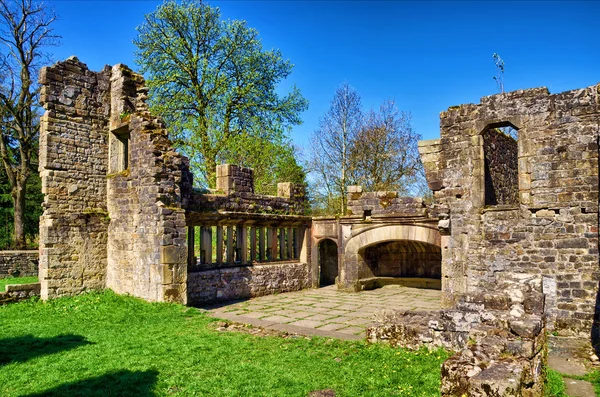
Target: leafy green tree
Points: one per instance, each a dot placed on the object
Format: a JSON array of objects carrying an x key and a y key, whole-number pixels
[
  {"x": 272, "y": 161},
  {"x": 213, "y": 83},
  {"x": 25, "y": 30}
]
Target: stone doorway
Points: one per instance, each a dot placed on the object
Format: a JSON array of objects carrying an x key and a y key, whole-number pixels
[{"x": 328, "y": 262}]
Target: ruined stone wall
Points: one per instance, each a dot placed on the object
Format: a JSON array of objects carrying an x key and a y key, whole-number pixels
[
  {"x": 147, "y": 246},
  {"x": 243, "y": 282},
  {"x": 18, "y": 263},
  {"x": 235, "y": 194},
  {"x": 553, "y": 231},
  {"x": 73, "y": 167},
  {"x": 19, "y": 292},
  {"x": 114, "y": 188},
  {"x": 501, "y": 168}
]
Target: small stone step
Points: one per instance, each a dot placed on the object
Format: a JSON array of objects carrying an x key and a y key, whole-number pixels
[
  {"x": 579, "y": 388},
  {"x": 566, "y": 366}
]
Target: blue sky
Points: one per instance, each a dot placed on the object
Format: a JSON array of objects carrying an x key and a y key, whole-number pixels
[{"x": 426, "y": 55}]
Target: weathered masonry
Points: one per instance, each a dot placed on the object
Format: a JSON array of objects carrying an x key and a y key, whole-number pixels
[
  {"x": 516, "y": 181},
  {"x": 120, "y": 211},
  {"x": 242, "y": 245},
  {"x": 521, "y": 207},
  {"x": 384, "y": 239}
]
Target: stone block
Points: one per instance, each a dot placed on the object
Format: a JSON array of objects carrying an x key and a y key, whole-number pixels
[
  {"x": 499, "y": 379},
  {"x": 172, "y": 254}
]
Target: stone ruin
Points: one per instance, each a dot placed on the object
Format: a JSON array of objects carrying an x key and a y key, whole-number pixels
[
  {"x": 519, "y": 226},
  {"x": 120, "y": 211},
  {"x": 511, "y": 237}
]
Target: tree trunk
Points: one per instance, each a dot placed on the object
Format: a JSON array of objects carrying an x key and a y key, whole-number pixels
[
  {"x": 211, "y": 172},
  {"x": 18, "y": 195}
]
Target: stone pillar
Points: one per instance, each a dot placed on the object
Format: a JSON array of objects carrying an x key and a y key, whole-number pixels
[
  {"x": 241, "y": 244},
  {"x": 261, "y": 244},
  {"x": 253, "y": 244},
  {"x": 206, "y": 244},
  {"x": 219, "y": 246},
  {"x": 229, "y": 252},
  {"x": 290, "y": 243},
  {"x": 282, "y": 245}
]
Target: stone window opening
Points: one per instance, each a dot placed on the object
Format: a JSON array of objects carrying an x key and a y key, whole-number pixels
[
  {"x": 501, "y": 164},
  {"x": 119, "y": 150}
]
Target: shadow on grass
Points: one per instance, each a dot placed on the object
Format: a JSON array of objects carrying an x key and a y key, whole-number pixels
[
  {"x": 23, "y": 348},
  {"x": 122, "y": 384}
]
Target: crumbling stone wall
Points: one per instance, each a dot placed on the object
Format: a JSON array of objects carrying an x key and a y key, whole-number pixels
[
  {"x": 553, "y": 231},
  {"x": 380, "y": 203},
  {"x": 147, "y": 247},
  {"x": 243, "y": 282},
  {"x": 501, "y": 168},
  {"x": 18, "y": 263},
  {"x": 242, "y": 244},
  {"x": 19, "y": 292},
  {"x": 114, "y": 188},
  {"x": 73, "y": 166},
  {"x": 500, "y": 336},
  {"x": 235, "y": 195}
]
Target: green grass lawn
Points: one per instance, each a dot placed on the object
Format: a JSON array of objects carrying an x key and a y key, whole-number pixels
[
  {"x": 16, "y": 280},
  {"x": 102, "y": 344}
]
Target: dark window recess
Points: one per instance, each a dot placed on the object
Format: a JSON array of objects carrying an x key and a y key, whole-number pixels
[
  {"x": 501, "y": 165},
  {"x": 366, "y": 214},
  {"x": 123, "y": 151}
]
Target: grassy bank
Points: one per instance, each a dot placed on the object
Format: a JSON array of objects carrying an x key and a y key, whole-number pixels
[{"x": 104, "y": 344}]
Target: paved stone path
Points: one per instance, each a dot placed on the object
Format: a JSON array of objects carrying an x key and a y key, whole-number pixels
[
  {"x": 569, "y": 356},
  {"x": 327, "y": 311}
]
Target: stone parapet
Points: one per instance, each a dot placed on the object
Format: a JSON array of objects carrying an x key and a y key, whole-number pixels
[
  {"x": 232, "y": 178},
  {"x": 368, "y": 204}
]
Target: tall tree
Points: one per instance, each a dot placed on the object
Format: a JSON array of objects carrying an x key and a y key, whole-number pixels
[
  {"x": 211, "y": 81},
  {"x": 376, "y": 149},
  {"x": 25, "y": 30},
  {"x": 331, "y": 146},
  {"x": 384, "y": 153}
]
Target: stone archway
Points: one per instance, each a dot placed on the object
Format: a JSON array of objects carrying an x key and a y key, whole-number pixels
[
  {"x": 355, "y": 266},
  {"x": 327, "y": 251}
]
